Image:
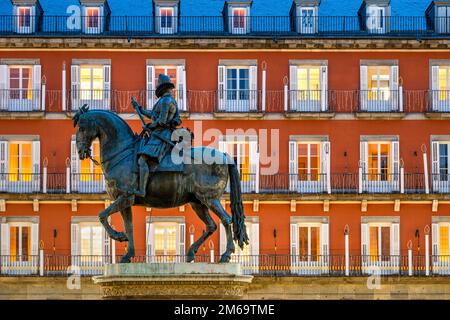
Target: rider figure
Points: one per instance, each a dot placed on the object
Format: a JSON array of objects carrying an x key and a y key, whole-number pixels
[{"x": 165, "y": 118}]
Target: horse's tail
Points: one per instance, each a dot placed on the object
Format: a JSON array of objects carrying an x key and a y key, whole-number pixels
[{"x": 237, "y": 209}]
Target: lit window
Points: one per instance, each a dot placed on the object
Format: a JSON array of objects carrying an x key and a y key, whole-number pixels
[
  {"x": 379, "y": 161},
  {"x": 166, "y": 16},
  {"x": 444, "y": 83},
  {"x": 238, "y": 84},
  {"x": 309, "y": 242},
  {"x": 88, "y": 170},
  {"x": 24, "y": 17},
  {"x": 91, "y": 82},
  {"x": 19, "y": 242},
  {"x": 20, "y": 161},
  {"x": 308, "y": 83},
  {"x": 378, "y": 83},
  {"x": 91, "y": 239},
  {"x": 380, "y": 242},
  {"x": 240, "y": 152},
  {"x": 20, "y": 82},
  {"x": 93, "y": 17},
  {"x": 239, "y": 17},
  {"x": 165, "y": 239}
]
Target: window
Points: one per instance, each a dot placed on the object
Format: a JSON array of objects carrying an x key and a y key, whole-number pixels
[
  {"x": 238, "y": 84},
  {"x": 20, "y": 161},
  {"x": 91, "y": 82},
  {"x": 165, "y": 239},
  {"x": 92, "y": 17},
  {"x": 20, "y": 82},
  {"x": 240, "y": 152},
  {"x": 440, "y": 237},
  {"x": 166, "y": 18},
  {"x": 444, "y": 239},
  {"x": 91, "y": 238},
  {"x": 379, "y": 161},
  {"x": 309, "y": 242},
  {"x": 380, "y": 88},
  {"x": 24, "y": 17},
  {"x": 20, "y": 242},
  {"x": 380, "y": 242},
  {"x": 376, "y": 19},
  {"x": 88, "y": 170},
  {"x": 440, "y": 170},
  {"x": 239, "y": 20},
  {"x": 307, "y": 22},
  {"x": 170, "y": 71},
  {"x": 309, "y": 161},
  {"x": 440, "y": 88},
  {"x": 442, "y": 19}
]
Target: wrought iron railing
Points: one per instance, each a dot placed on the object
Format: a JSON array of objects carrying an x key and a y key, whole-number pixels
[{"x": 20, "y": 100}]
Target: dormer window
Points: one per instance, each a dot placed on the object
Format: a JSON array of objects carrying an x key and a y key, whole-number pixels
[
  {"x": 94, "y": 16},
  {"x": 237, "y": 15},
  {"x": 375, "y": 16},
  {"x": 438, "y": 16},
  {"x": 304, "y": 14},
  {"x": 26, "y": 14},
  {"x": 166, "y": 16}
]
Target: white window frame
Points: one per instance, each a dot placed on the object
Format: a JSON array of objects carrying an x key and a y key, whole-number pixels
[
  {"x": 311, "y": 21},
  {"x": 180, "y": 91},
  {"x": 180, "y": 242},
  {"x": 103, "y": 97},
  {"x": 309, "y": 267},
  {"x": 100, "y": 19},
  {"x": 77, "y": 184},
  {"x": 378, "y": 265},
  {"x": 246, "y": 18},
  {"x": 440, "y": 263},
  {"x": 437, "y": 103},
  {"x": 442, "y": 19},
  {"x": 376, "y": 19},
  {"x": 25, "y": 29},
  {"x": 171, "y": 17},
  {"x": 238, "y": 105}
]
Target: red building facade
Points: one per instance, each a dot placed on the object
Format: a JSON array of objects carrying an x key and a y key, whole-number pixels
[{"x": 336, "y": 138}]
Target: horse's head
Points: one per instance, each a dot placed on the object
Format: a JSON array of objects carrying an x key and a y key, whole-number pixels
[{"x": 86, "y": 133}]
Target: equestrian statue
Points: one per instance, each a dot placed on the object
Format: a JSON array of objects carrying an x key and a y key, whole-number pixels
[{"x": 139, "y": 171}]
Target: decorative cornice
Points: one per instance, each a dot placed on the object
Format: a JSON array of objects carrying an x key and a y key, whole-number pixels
[{"x": 24, "y": 2}]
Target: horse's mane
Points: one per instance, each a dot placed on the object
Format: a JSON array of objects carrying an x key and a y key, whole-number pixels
[{"x": 87, "y": 112}]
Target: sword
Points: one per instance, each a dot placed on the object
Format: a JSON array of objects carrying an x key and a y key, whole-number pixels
[{"x": 138, "y": 110}]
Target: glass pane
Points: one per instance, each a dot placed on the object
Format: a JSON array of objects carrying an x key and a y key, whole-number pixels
[
  {"x": 92, "y": 19},
  {"x": 239, "y": 18},
  {"x": 373, "y": 246},
  {"x": 386, "y": 242},
  {"x": 443, "y": 161},
  {"x": 443, "y": 241},
  {"x": 315, "y": 243},
  {"x": 24, "y": 17},
  {"x": 13, "y": 162},
  {"x": 385, "y": 163},
  {"x": 27, "y": 162},
  {"x": 302, "y": 161},
  {"x": 97, "y": 241},
  {"x": 244, "y": 163},
  {"x": 303, "y": 243},
  {"x": 26, "y": 242},
  {"x": 315, "y": 161},
  {"x": 171, "y": 240},
  {"x": 373, "y": 161},
  {"x": 159, "y": 240},
  {"x": 13, "y": 242},
  {"x": 85, "y": 233},
  {"x": 443, "y": 85},
  {"x": 166, "y": 17}
]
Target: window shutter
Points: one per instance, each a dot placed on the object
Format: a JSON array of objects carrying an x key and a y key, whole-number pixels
[
  {"x": 175, "y": 19},
  {"x": 294, "y": 239},
  {"x": 75, "y": 239},
  {"x": 107, "y": 87},
  {"x": 441, "y": 18},
  {"x": 435, "y": 88},
  {"x": 181, "y": 237},
  {"x": 435, "y": 245},
  {"x": 230, "y": 19},
  {"x": 106, "y": 243},
  {"x": 84, "y": 21},
  {"x": 157, "y": 19},
  {"x": 255, "y": 239},
  {"x": 3, "y": 165},
  {"x": 325, "y": 166},
  {"x": 363, "y": 88},
  {"x": 365, "y": 239},
  {"x": 253, "y": 75},
  {"x": 34, "y": 239},
  {"x": 37, "y": 87},
  {"x": 222, "y": 240},
  {"x": 254, "y": 165},
  {"x": 293, "y": 165},
  {"x": 150, "y": 233},
  {"x": 101, "y": 18},
  {"x": 33, "y": 19},
  {"x": 324, "y": 88},
  {"x": 4, "y": 87},
  {"x": 324, "y": 239},
  {"x": 74, "y": 165},
  {"x": 395, "y": 165},
  {"x": 181, "y": 78},
  {"x": 363, "y": 158},
  {"x": 16, "y": 19},
  {"x": 4, "y": 237},
  {"x": 75, "y": 87},
  {"x": 36, "y": 170},
  {"x": 150, "y": 86},
  {"x": 395, "y": 239},
  {"x": 435, "y": 166},
  {"x": 293, "y": 87},
  {"x": 222, "y": 86},
  {"x": 394, "y": 87}
]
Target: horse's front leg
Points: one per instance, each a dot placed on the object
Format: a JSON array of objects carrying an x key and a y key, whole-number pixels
[
  {"x": 122, "y": 202},
  {"x": 127, "y": 216}
]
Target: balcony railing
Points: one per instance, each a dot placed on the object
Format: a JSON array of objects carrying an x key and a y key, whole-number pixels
[
  {"x": 95, "y": 99},
  {"x": 280, "y": 183},
  {"x": 20, "y": 100},
  {"x": 260, "y": 265},
  {"x": 308, "y": 100},
  {"x": 439, "y": 100},
  {"x": 322, "y": 26},
  {"x": 238, "y": 101},
  {"x": 379, "y": 100}
]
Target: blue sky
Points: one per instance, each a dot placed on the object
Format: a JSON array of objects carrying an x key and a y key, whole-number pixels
[{"x": 214, "y": 7}]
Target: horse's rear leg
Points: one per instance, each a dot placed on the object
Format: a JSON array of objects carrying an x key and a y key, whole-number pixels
[
  {"x": 225, "y": 218},
  {"x": 202, "y": 212},
  {"x": 122, "y": 202},
  {"x": 127, "y": 216}
]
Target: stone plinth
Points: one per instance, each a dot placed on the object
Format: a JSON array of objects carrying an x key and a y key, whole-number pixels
[{"x": 173, "y": 281}]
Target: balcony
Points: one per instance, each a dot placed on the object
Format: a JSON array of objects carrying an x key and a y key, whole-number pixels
[
  {"x": 214, "y": 26},
  {"x": 20, "y": 100},
  {"x": 339, "y": 265},
  {"x": 238, "y": 101}
]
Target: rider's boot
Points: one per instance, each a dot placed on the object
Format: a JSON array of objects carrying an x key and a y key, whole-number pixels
[{"x": 143, "y": 178}]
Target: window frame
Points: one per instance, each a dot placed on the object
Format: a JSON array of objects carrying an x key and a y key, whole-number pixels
[
  {"x": 309, "y": 256},
  {"x": 376, "y": 23},
  {"x": 379, "y": 173},
  {"x": 18, "y": 257},
  {"x": 91, "y": 226},
  {"x": 21, "y": 89}
]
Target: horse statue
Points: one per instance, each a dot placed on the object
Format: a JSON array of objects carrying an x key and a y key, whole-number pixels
[{"x": 200, "y": 185}]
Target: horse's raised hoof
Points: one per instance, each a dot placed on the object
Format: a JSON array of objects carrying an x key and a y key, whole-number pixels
[
  {"x": 125, "y": 259},
  {"x": 119, "y": 236},
  {"x": 225, "y": 258}
]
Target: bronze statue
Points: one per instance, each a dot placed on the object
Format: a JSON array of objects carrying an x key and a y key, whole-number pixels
[
  {"x": 199, "y": 184},
  {"x": 165, "y": 118}
]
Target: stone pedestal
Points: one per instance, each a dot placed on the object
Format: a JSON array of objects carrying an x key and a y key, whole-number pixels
[{"x": 173, "y": 281}]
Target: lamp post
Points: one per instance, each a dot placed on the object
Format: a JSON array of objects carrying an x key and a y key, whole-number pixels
[
  {"x": 410, "y": 258},
  {"x": 427, "y": 250},
  {"x": 275, "y": 245},
  {"x": 211, "y": 250},
  {"x": 347, "y": 250}
]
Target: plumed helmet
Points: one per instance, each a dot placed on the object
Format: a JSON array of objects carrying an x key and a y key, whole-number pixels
[{"x": 164, "y": 83}]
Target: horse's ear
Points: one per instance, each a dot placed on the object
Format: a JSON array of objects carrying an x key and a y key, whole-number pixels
[{"x": 84, "y": 108}]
